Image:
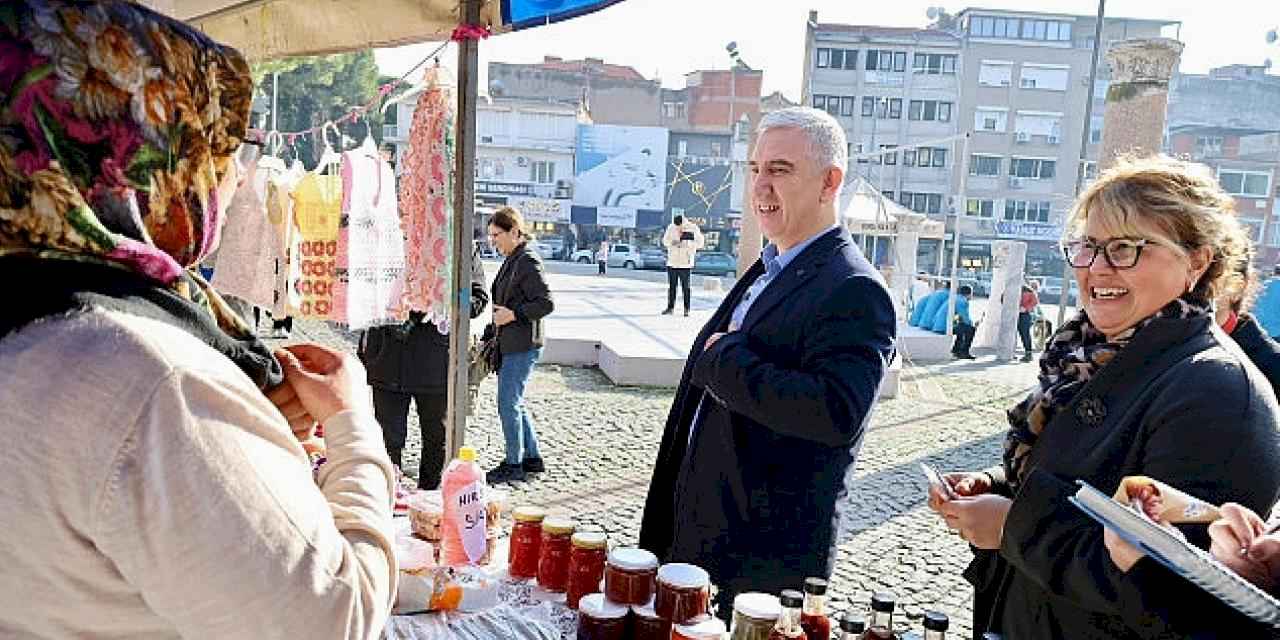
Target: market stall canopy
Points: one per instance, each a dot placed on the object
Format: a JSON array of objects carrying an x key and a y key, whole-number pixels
[
  {"x": 268, "y": 29},
  {"x": 865, "y": 210}
]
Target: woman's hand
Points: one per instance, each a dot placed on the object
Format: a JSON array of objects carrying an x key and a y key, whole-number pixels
[
  {"x": 1123, "y": 554},
  {"x": 979, "y": 520},
  {"x": 1240, "y": 542},
  {"x": 503, "y": 316},
  {"x": 965, "y": 484},
  {"x": 285, "y": 397}
]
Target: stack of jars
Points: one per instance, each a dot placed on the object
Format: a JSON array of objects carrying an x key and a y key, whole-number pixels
[{"x": 642, "y": 601}]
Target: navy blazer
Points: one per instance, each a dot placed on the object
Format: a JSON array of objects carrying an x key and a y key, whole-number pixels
[{"x": 752, "y": 496}]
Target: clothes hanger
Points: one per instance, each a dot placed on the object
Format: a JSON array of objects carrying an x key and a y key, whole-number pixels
[
  {"x": 273, "y": 144},
  {"x": 329, "y": 157}
]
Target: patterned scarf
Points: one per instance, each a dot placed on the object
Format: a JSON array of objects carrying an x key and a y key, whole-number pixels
[
  {"x": 117, "y": 125},
  {"x": 1073, "y": 357}
]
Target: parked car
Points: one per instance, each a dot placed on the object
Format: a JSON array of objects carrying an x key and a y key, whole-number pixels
[
  {"x": 654, "y": 258},
  {"x": 715, "y": 263},
  {"x": 620, "y": 255},
  {"x": 1051, "y": 291},
  {"x": 544, "y": 250},
  {"x": 486, "y": 250},
  {"x": 556, "y": 244}
]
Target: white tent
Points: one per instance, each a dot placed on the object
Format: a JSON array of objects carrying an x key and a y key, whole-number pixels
[{"x": 864, "y": 210}]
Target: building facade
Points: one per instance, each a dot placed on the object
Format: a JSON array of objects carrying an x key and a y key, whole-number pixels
[{"x": 610, "y": 93}]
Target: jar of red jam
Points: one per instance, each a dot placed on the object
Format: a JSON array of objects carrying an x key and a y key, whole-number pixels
[
  {"x": 599, "y": 619},
  {"x": 646, "y": 625},
  {"x": 684, "y": 592},
  {"x": 629, "y": 576},
  {"x": 703, "y": 627},
  {"x": 526, "y": 542},
  {"x": 586, "y": 565},
  {"x": 553, "y": 558}
]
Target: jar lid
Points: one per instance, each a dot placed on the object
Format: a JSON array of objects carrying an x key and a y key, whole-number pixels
[
  {"x": 815, "y": 586},
  {"x": 683, "y": 576},
  {"x": 760, "y": 606},
  {"x": 596, "y": 606},
  {"x": 529, "y": 514},
  {"x": 883, "y": 602},
  {"x": 703, "y": 627},
  {"x": 645, "y": 610},
  {"x": 558, "y": 525},
  {"x": 936, "y": 621},
  {"x": 589, "y": 540},
  {"x": 853, "y": 622},
  {"x": 791, "y": 599},
  {"x": 633, "y": 559}
]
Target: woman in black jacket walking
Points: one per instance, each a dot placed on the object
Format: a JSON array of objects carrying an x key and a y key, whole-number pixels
[
  {"x": 1139, "y": 383},
  {"x": 521, "y": 299},
  {"x": 410, "y": 361}
]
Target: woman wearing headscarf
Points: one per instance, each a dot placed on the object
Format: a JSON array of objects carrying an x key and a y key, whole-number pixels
[
  {"x": 154, "y": 483},
  {"x": 1140, "y": 382}
]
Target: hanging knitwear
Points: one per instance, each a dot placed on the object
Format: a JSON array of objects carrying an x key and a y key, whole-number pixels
[
  {"x": 317, "y": 202},
  {"x": 370, "y": 242}
]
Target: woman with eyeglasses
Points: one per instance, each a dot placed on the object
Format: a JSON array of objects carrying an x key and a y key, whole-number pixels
[
  {"x": 1140, "y": 382},
  {"x": 521, "y": 299}
]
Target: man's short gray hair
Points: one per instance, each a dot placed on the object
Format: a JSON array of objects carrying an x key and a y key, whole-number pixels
[{"x": 827, "y": 141}]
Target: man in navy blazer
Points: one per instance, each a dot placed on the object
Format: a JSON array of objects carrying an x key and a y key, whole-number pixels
[{"x": 779, "y": 385}]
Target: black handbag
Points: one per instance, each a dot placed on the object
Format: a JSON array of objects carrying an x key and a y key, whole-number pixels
[{"x": 485, "y": 356}]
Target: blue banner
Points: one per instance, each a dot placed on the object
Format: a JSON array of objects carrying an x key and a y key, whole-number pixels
[{"x": 522, "y": 14}]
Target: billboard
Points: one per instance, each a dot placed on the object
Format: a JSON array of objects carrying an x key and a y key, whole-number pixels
[
  {"x": 621, "y": 170},
  {"x": 699, "y": 189},
  {"x": 542, "y": 209}
]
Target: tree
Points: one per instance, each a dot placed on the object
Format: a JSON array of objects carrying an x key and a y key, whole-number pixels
[{"x": 321, "y": 88}]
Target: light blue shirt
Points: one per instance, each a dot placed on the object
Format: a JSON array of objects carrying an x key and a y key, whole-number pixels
[{"x": 774, "y": 263}]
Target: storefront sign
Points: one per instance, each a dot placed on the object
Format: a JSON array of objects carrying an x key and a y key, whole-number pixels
[
  {"x": 1027, "y": 230},
  {"x": 624, "y": 217},
  {"x": 504, "y": 188},
  {"x": 542, "y": 209}
]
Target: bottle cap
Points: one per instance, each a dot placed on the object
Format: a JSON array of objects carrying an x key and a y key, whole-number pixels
[
  {"x": 589, "y": 540},
  {"x": 815, "y": 586},
  {"x": 758, "y": 606},
  {"x": 558, "y": 525},
  {"x": 791, "y": 599},
  {"x": 936, "y": 621},
  {"x": 529, "y": 514},
  {"x": 883, "y": 602},
  {"x": 853, "y": 622},
  {"x": 467, "y": 454},
  {"x": 633, "y": 559}
]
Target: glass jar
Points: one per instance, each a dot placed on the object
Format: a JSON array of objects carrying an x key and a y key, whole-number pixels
[
  {"x": 586, "y": 565},
  {"x": 754, "y": 615},
  {"x": 703, "y": 627},
  {"x": 526, "y": 542},
  {"x": 788, "y": 625},
  {"x": 647, "y": 625},
  {"x": 813, "y": 617},
  {"x": 880, "y": 626},
  {"x": 599, "y": 619},
  {"x": 629, "y": 576},
  {"x": 684, "y": 592},
  {"x": 553, "y": 559}
]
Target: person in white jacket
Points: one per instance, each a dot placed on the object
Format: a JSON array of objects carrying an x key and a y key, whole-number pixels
[{"x": 683, "y": 239}]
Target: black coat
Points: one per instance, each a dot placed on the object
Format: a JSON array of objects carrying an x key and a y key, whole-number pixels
[
  {"x": 1182, "y": 404},
  {"x": 785, "y": 401},
  {"x": 1261, "y": 348},
  {"x": 521, "y": 286},
  {"x": 413, "y": 357}
]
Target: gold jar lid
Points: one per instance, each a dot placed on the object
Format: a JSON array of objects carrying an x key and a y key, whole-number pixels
[
  {"x": 529, "y": 514},
  {"x": 558, "y": 525},
  {"x": 590, "y": 540}
]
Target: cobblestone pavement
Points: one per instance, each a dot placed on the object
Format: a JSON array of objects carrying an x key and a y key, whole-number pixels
[{"x": 599, "y": 441}]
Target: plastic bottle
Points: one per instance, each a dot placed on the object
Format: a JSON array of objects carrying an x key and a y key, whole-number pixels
[{"x": 462, "y": 528}]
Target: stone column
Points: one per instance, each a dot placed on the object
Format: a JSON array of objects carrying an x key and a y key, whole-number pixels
[
  {"x": 906, "y": 243},
  {"x": 1137, "y": 97},
  {"x": 999, "y": 327}
]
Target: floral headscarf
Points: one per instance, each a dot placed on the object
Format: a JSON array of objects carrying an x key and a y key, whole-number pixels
[{"x": 117, "y": 128}]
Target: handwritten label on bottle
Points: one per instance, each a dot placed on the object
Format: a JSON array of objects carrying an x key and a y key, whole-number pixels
[{"x": 470, "y": 511}]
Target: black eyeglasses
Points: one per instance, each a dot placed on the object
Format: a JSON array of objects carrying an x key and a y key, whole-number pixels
[{"x": 1120, "y": 253}]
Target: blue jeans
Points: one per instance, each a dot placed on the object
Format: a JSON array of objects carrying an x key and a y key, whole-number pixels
[{"x": 517, "y": 427}]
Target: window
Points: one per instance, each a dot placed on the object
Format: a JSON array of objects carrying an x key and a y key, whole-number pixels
[
  {"x": 672, "y": 109},
  {"x": 921, "y": 202},
  {"x": 995, "y": 73},
  {"x": 820, "y": 102},
  {"x": 846, "y": 106},
  {"x": 1245, "y": 183},
  {"x": 980, "y": 165},
  {"x": 543, "y": 172},
  {"x": 1013, "y": 28},
  {"x": 824, "y": 58},
  {"x": 1274, "y": 240},
  {"x": 1027, "y": 210},
  {"x": 1037, "y": 123},
  {"x": 993, "y": 119},
  {"x": 868, "y": 106},
  {"x": 931, "y": 157},
  {"x": 851, "y": 59},
  {"x": 909, "y": 157},
  {"x": 934, "y": 63},
  {"x": 1034, "y": 168},
  {"x": 982, "y": 26},
  {"x": 837, "y": 58},
  {"x": 1051, "y": 78},
  {"x": 833, "y": 105},
  {"x": 886, "y": 60},
  {"x": 899, "y": 61},
  {"x": 929, "y": 110},
  {"x": 895, "y": 108},
  {"x": 980, "y": 208},
  {"x": 716, "y": 150},
  {"x": 1209, "y": 146},
  {"x": 1090, "y": 170},
  {"x": 888, "y": 195},
  {"x": 891, "y": 157}
]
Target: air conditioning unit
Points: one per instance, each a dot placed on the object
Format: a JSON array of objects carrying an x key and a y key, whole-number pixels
[
  {"x": 522, "y": 161},
  {"x": 1015, "y": 182},
  {"x": 1053, "y": 140},
  {"x": 1022, "y": 136}
]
